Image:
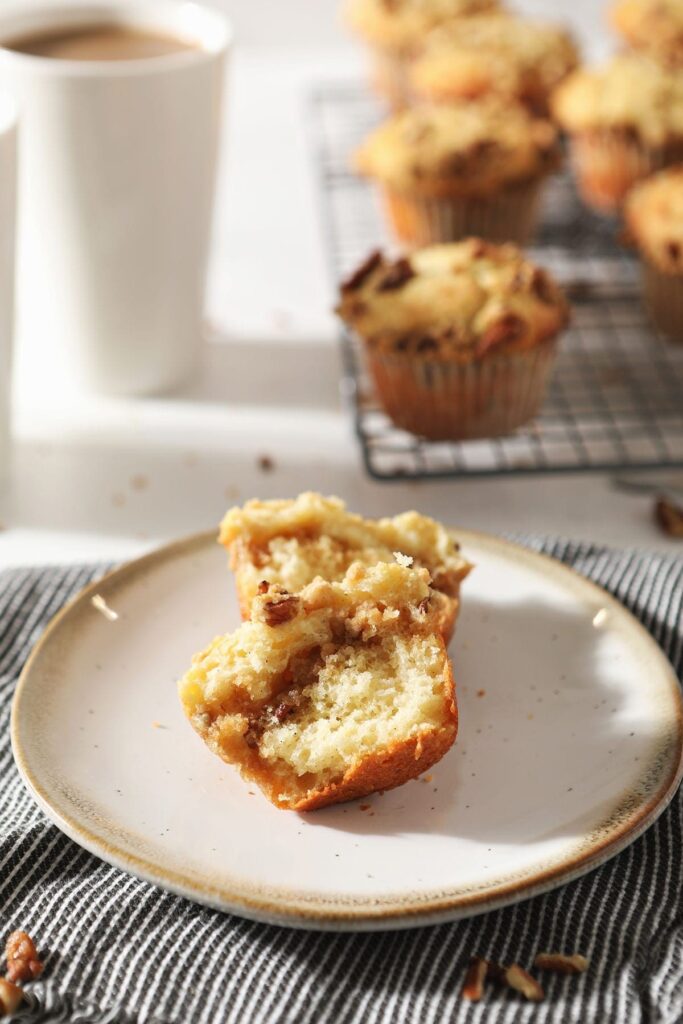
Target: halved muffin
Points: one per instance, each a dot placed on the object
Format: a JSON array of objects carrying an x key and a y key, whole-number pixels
[
  {"x": 340, "y": 691},
  {"x": 290, "y": 542}
]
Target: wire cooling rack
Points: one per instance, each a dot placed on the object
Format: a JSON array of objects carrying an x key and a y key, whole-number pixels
[{"x": 615, "y": 400}]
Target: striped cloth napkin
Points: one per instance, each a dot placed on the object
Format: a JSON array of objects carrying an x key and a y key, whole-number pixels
[{"x": 118, "y": 949}]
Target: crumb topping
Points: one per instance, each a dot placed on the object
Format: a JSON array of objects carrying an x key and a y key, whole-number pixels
[
  {"x": 654, "y": 215},
  {"x": 467, "y": 148},
  {"x": 500, "y": 54},
  {"x": 400, "y": 24},
  {"x": 655, "y": 26},
  {"x": 632, "y": 93},
  {"x": 468, "y": 299}
]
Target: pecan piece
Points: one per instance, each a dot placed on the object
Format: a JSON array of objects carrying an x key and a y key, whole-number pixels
[
  {"x": 10, "y": 997},
  {"x": 356, "y": 279},
  {"x": 521, "y": 981},
  {"x": 673, "y": 251},
  {"x": 669, "y": 517},
  {"x": 278, "y": 607},
  {"x": 284, "y": 710},
  {"x": 263, "y": 587},
  {"x": 509, "y": 328},
  {"x": 561, "y": 962},
  {"x": 542, "y": 288},
  {"x": 23, "y": 962},
  {"x": 396, "y": 276},
  {"x": 473, "y": 986}
]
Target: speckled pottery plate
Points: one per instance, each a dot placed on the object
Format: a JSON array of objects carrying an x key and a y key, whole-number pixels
[{"x": 569, "y": 747}]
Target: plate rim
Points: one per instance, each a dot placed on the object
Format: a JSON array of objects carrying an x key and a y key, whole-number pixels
[{"x": 364, "y": 917}]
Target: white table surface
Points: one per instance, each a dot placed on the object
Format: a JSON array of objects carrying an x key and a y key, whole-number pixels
[{"x": 107, "y": 479}]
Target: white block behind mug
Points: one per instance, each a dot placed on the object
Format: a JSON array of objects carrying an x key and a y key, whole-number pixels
[{"x": 117, "y": 168}]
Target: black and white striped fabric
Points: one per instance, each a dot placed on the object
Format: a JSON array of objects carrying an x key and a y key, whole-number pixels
[{"x": 117, "y": 949}]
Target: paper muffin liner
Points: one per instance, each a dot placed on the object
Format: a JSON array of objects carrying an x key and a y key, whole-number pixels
[
  {"x": 389, "y": 73},
  {"x": 664, "y": 300},
  {"x": 608, "y": 165},
  {"x": 447, "y": 400},
  {"x": 509, "y": 216}
]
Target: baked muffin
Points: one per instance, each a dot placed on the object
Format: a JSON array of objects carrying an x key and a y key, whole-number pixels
[
  {"x": 331, "y": 694},
  {"x": 393, "y": 30},
  {"x": 654, "y": 218},
  {"x": 448, "y": 172},
  {"x": 653, "y": 26},
  {"x": 625, "y": 121},
  {"x": 515, "y": 58},
  {"x": 290, "y": 543},
  {"x": 459, "y": 339}
]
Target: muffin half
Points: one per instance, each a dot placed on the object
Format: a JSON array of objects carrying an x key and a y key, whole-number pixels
[
  {"x": 459, "y": 339},
  {"x": 331, "y": 694},
  {"x": 289, "y": 543},
  {"x": 450, "y": 172}
]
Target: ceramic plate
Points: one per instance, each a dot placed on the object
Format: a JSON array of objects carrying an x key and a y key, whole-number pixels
[{"x": 569, "y": 747}]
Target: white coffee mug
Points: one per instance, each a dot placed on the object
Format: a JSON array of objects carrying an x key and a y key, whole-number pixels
[
  {"x": 8, "y": 163},
  {"x": 117, "y": 164}
]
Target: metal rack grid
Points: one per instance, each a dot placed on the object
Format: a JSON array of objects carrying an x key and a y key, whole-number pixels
[{"x": 615, "y": 400}]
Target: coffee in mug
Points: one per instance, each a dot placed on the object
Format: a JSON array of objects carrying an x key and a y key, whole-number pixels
[
  {"x": 117, "y": 158},
  {"x": 99, "y": 42}
]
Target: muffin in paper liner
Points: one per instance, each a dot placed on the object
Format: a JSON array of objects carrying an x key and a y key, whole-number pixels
[
  {"x": 609, "y": 163},
  {"x": 664, "y": 299},
  {"x": 459, "y": 338},
  {"x": 625, "y": 121},
  {"x": 454, "y": 401},
  {"x": 509, "y": 216},
  {"x": 448, "y": 172},
  {"x": 389, "y": 75},
  {"x": 653, "y": 214}
]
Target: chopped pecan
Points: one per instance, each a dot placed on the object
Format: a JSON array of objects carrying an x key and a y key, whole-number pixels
[
  {"x": 423, "y": 606},
  {"x": 542, "y": 287},
  {"x": 473, "y": 986},
  {"x": 396, "y": 276},
  {"x": 509, "y": 328},
  {"x": 23, "y": 962},
  {"x": 10, "y": 997},
  {"x": 669, "y": 517},
  {"x": 521, "y": 981},
  {"x": 277, "y": 607},
  {"x": 427, "y": 344},
  {"x": 561, "y": 962},
  {"x": 356, "y": 279},
  {"x": 263, "y": 587},
  {"x": 283, "y": 711}
]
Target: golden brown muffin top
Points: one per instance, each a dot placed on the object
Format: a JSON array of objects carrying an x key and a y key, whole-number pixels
[
  {"x": 655, "y": 26},
  {"x": 496, "y": 54},
  {"x": 467, "y": 148},
  {"x": 654, "y": 215},
  {"x": 465, "y": 300},
  {"x": 401, "y": 24},
  {"x": 631, "y": 93}
]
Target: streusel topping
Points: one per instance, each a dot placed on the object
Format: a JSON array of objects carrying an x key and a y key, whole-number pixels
[
  {"x": 466, "y": 299},
  {"x": 631, "y": 93},
  {"x": 494, "y": 54},
  {"x": 469, "y": 148}
]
